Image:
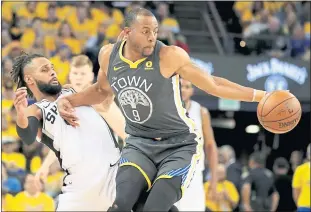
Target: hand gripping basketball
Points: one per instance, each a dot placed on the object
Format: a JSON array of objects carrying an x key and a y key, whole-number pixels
[{"x": 279, "y": 112}]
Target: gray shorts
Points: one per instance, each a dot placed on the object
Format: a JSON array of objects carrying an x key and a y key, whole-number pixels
[{"x": 167, "y": 158}]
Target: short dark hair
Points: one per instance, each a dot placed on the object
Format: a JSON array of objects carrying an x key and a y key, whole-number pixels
[
  {"x": 258, "y": 158},
  {"x": 131, "y": 16},
  {"x": 17, "y": 73}
]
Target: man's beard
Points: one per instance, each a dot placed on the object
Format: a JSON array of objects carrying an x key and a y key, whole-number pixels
[{"x": 48, "y": 88}]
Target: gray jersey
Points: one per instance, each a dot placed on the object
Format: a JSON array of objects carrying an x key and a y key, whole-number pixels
[{"x": 151, "y": 103}]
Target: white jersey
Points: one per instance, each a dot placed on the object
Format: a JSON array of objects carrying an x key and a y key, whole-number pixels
[
  {"x": 89, "y": 155},
  {"x": 194, "y": 196},
  {"x": 195, "y": 114}
]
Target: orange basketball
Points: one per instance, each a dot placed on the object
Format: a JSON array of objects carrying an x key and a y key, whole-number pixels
[{"x": 279, "y": 112}]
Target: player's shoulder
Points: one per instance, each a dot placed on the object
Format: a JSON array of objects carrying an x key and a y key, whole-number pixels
[
  {"x": 106, "y": 49},
  {"x": 34, "y": 110},
  {"x": 175, "y": 51}
]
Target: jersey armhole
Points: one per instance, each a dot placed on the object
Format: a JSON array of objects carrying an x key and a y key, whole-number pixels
[{"x": 113, "y": 53}]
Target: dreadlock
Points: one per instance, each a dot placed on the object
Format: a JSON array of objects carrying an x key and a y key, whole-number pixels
[{"x": 17, "y": 73}]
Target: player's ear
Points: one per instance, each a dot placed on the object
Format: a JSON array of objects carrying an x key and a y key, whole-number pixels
[
  {"x": 29, "y": 80},
  {"x": 127, "y": 31}
]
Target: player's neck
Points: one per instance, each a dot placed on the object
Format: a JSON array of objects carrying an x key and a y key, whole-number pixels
[
  {"x": 130, "y": 54},
  {"x": 188, "y": 104},
  {"x": 40, "y": 96}
]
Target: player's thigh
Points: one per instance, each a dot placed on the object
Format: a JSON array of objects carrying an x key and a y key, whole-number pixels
[
  {"x": 181, "y": 162},
  {"x": 132, "y": 156}
]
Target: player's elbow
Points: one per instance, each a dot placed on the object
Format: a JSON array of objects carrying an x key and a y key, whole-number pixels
[{"x": 104, "y": 90}]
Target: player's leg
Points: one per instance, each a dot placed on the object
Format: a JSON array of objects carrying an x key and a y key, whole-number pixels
[
  {"x": 174, "y": 175},
  {"x": 139, "y": 206},
  {"x": 135, "y": 175},
  {"x": 194, "y": 196}
]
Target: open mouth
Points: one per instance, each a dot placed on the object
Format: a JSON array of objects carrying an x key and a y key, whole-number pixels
[{"x": 54, "y": 81}]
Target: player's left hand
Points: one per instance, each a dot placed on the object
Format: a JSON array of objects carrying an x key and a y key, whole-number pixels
[{"x": 66, "y": 111}]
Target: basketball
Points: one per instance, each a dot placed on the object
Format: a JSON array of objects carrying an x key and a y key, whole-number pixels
[{"x": 279, "y": 112}]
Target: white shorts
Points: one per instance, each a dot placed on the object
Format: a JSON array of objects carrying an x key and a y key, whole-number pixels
[
  {"x": 89, "y": 191},
  {"x": 194, "y": 196}
]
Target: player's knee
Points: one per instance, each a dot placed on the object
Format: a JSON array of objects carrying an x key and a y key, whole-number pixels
[
  {"x": 130, "y": 183},
  {"x": 163, "y": 195},
  {"x": 129, "y": 174}
]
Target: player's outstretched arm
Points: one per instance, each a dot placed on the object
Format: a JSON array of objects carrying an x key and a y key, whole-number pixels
[
  {"x": 28, "y": 118},
  {"x": 213, "y": 85},
  {"x": 99, "y": 92}
]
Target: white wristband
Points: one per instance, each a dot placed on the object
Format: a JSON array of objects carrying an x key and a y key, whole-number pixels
[{"x": 254, "y": 95}]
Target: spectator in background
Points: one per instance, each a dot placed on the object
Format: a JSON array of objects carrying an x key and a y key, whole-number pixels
[
  {"x": 28, "y": 11},
  {"x": 82, "y": 23},
  {"x": 234, "y": 168},
  {"x": 301, "y": 185},
  {"x": 13, "y": 51},
  {"x": 295, "y": 160},
  {"x": 165, "y": 19},
  {"x": 166, "y": 36},
  {"x": 181, "y": 41},
  {"x": 5, "y": 37},
  {"x": 66, "y": 36},
  {"x": 32, "y": 199},
  {"x": 11, "y": 184},
  {"x": 31, "y": 33},
  {"x": 38, "y": 158},
  {"x": 258, "y": 189},
  {"x": 54, "y": 180},
  {"x": 283, "y": 185},
  {"x": 103, "y": 36},
  {"x": 7, "y": 200},
  {"x": 285, "y": 11},
  {"x": 105, "y": 12},
  {"x": 52, "y": 22},
  {"x": 61, "y": 62},
  {"x": 227, "y": 194},
  {"x": 300, "y": 45},
  {"x": 7, "y": 66},
  {"x": 8, "y": 92},
  {"x": 14, "y": 161}
]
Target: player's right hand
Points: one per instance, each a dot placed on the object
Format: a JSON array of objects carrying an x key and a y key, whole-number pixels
[
  {"x": 66, "y": 111},
  {"x": 20, "y": 100},
  {"x": 40, "y": 176}
]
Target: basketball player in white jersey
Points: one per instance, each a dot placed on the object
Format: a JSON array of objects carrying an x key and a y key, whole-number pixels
[
  {"x": 87, "y": 153},
  {"x": 81, "y": 75},
  {"x": 194, "y": 198}
]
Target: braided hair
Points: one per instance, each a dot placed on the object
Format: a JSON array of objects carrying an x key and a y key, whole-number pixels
[{"x": 17, "y": 73}]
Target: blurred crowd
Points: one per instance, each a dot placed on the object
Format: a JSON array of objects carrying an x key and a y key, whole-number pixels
[
  {"x": 246, "y": 184},
  {"x": 287, "y": 23},
  {"x": 60, "y": 30}
]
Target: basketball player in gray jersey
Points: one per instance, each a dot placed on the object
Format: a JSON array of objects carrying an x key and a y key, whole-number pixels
[{"x": 163, "y": 146}]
